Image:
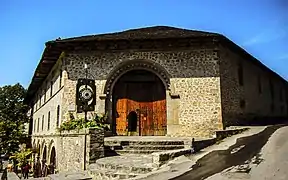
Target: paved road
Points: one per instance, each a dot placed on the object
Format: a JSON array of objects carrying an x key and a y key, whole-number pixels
[{"x": 262, "y": 156}]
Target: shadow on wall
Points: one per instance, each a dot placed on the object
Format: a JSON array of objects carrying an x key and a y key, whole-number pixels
[{"x": 252, "y": 120}]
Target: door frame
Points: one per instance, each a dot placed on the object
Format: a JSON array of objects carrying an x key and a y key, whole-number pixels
[{"x": 121, "y": 69}]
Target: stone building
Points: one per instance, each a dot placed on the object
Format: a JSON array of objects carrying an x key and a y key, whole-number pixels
[{"x": 154, "y": 81}]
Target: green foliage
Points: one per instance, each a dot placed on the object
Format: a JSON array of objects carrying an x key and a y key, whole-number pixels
[
  {"x": 22, "y": 156},
  {"x": 12, "y": 117},
  {"x": 98, "y": 121}
]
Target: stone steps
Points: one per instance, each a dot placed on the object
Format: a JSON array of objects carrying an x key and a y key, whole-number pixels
[
  {"x": 106, "y": 174},
  {"x": 142, "y": 142},
  {"x": 122, "y": 167},
  {"x": 142, "y": 145},
  {"x": 135, "y": 151},
  {"x": 135, "y": 155},
  {"x": 153, "y": 147}
]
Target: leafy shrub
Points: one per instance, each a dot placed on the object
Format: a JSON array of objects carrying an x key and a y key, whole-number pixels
[
  {"x": 98, "y": 121},
  {"x": 22, "y": 156}
]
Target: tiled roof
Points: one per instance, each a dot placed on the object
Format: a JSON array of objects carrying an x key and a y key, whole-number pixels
[{"x": 154, "y": 32}]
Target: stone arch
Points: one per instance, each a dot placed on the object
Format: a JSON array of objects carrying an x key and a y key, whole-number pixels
[
  {"x": 126, "y": 67},
  {"x": 50, "y": 145},
  {"x": 130, "y": 65},
  {"x": 44, "y": 152},
  {"x": 38, "y": 147},
  {"x": 34, "y": 144},
  {"x": 53, "y": 156},
  {"x": 42, "y": 147}
]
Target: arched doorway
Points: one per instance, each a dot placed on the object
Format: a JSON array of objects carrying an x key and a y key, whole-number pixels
[
  {"x": 44, "y": 156},
  {"x": 53, "y": 156},
  {"x": 139, "y": 95},
  {"x": 38, "y": 149},
  {"x": 132, "y": 119}
]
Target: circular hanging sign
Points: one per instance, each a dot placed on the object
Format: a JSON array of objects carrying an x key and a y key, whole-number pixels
[{"x": 86, "y": 94}]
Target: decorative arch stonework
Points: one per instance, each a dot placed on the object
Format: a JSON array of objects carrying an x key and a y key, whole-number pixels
[
  {"x": 50, "y": 146},
  {"x": 130, "y": 65},
  {"x": 125, "y": 67},
  {"x": 34, "y": 144},
  {"x": 42, "y": 145}
]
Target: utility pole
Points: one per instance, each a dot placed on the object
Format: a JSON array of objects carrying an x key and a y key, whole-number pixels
[{"x": 86, "y": 104}]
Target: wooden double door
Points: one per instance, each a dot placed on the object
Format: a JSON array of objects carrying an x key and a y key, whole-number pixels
[{"x": 139, "y": 100}]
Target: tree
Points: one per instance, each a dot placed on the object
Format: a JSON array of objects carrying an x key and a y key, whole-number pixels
[
  {"x": 12, "y": 117},
  {"x": 22, "y": 155}
]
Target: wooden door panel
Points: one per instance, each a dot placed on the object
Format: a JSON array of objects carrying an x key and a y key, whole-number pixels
[
  {"x": 122, "y": 113},
  {"x": 148, "y": 100}
]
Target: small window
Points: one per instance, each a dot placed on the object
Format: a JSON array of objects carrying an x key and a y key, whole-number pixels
[
  {"x": 58, "y": 116},
  {"x": 60, "y": 79},
  {"x": 242, "y": 104},
  {"x": 240, "y": 75},
  {"x": 48, "y": 121},
  {"x": 38, "y": 124},
  {"x": 51, "y": 88},
  {"x": 42, "y": 122},
  {"x": 44, "y": 94},
  {"x": 39, "y": 101},
  {"x": 34, "y": 125},
  {"x": 259, "y": 85}
]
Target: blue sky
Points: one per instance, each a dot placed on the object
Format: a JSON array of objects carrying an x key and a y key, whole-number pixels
[{"x": 259, "y": 26}]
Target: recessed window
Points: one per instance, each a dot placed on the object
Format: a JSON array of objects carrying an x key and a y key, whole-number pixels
[
  {"x": 48, "y": 121},
  {"x": 51, "y": 88},
  {"x": 38, "y": 124},
  {"x": 44, "y": 94},
  {"x": 34, "y": 125},
  {"x": 39, "y": 101},
  {"x": 60, "y": 79},
  {"x": 42, "y": 122},
  {"x": 240, "y": 74},
  {"x": 58, "y": 116}
]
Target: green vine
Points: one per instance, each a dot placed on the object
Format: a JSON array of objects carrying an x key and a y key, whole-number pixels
[{"x": 98, "y": 121}]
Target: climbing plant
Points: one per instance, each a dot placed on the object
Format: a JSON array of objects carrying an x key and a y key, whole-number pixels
[{"x": 98, "y": 121}]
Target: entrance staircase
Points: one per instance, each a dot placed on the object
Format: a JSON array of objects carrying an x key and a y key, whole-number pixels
[
  {"x": 131, "y": 156},
  {"x": 143, "y": 145}
]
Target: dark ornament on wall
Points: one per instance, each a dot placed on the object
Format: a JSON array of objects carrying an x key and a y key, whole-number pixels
[{"x": 85, "y": 95}]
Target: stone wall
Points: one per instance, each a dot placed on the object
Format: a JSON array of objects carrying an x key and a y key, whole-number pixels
[
  {"x": 240, "y": 103},
  {"x": 194, "y": 78},
  {"x": 49, "y": 103},
  {"x": 70, "y": 148}
]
